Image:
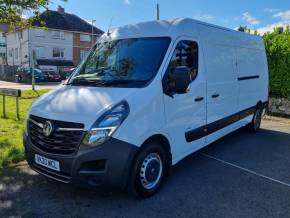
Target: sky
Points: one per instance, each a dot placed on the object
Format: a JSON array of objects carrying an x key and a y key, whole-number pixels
[{"x": 256, "y": 14}]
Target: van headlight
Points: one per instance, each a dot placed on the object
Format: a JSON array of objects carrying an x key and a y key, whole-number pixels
[{"x": 106, "y": 125}]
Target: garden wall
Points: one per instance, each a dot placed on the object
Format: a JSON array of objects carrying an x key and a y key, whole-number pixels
[{"x": 279, "y": 106}]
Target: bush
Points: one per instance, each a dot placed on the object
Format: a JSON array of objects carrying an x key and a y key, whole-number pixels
[{"x": 278, "y": 53}]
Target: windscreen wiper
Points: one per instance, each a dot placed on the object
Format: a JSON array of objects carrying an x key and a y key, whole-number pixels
[
  {"x": 92, "y": 82},
  {"x": 83, "y": 81}
]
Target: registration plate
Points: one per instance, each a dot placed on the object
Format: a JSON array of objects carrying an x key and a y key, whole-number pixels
[{"x": 46, "y": 162}]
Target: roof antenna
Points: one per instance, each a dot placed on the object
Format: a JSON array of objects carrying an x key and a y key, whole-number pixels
[
  {"x": 110, "y": 25},
  {"x": 157, "y": 11}
]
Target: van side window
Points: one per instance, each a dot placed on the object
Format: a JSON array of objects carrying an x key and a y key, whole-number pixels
[{"x": 185, "y": 55}]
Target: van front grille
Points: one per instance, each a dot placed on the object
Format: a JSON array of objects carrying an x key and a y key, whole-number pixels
[{"x": 64, "y": 138}]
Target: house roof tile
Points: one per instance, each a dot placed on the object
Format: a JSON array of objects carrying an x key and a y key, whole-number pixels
[{"x": 65, "y": 21}]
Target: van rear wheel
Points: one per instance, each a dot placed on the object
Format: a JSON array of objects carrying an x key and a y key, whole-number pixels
[
  {"x": 255, "y": 125},
  {"x": 148, "y": 170}
]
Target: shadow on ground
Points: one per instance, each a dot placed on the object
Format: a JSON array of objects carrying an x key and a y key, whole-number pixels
[{"x": 198, "y": 187}]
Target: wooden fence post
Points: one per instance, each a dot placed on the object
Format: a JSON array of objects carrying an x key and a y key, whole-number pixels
[
  {"x": 10, "y": 92},
  {"x": 17, "y": 108},
  {"x": 3, "y": 103}
]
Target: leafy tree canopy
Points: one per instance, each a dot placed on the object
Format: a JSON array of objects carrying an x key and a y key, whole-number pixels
[{"x": 11, "y": 11}]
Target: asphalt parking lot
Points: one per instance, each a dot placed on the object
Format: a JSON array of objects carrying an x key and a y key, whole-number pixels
[{"x": 241, "y": 175}]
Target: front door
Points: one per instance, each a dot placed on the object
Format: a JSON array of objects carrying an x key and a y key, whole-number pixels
[{"x": 186, "y": 113}]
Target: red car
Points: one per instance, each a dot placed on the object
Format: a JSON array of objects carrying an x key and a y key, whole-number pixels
[{"x": 53, "y": 76}]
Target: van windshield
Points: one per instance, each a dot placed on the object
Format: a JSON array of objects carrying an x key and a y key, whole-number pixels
[{"x": 122, "y": 63}]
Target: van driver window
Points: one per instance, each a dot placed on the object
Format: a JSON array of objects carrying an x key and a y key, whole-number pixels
[{"x": 185, "y": 55}]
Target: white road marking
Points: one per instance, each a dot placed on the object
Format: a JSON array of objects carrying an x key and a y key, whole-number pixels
[{"x": 245, "y": 169}]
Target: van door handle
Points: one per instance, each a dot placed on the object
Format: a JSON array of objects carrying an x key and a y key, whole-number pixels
[
  {"x": 199, "y": 99},
  {"x": 215, "y": 96}
]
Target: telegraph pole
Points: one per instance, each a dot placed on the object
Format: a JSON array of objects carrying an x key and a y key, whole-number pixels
[
  {"x": 31, "y": 61},
  {"x": 158, "y": 12},
  {"x": 93, "y": 21},
  {"x": 32, "y": 70}
]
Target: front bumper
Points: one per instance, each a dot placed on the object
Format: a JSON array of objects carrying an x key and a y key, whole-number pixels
[{"x": 108, "y": 164}]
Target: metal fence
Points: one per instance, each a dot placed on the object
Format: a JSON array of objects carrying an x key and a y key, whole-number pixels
[{"x": 7, "y": 73}]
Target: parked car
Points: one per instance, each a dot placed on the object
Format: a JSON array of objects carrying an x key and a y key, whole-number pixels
[
  {"x": 53, "y": 76},
  {"x": 159, "y": 91},
  {"x": 65, "y": 75},
  {"x": 24, "y": 75}
]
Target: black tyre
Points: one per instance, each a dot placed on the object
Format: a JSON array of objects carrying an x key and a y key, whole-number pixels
[
  {"x": 148, "y": 170},
  {"x": 255, "y": 125}
]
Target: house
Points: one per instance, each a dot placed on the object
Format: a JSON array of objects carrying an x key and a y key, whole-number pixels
[
  {"x": 3, "y": 30},
  {"x": 61, "y": 45}
]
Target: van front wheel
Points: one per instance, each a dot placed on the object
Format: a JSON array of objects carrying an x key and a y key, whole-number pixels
[{"x": 148, "y": 170}]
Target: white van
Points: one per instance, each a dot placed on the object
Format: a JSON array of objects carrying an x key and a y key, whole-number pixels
[{"x": 145, "y": 97}]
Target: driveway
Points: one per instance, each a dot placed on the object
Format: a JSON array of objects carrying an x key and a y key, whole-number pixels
[
  {"x": 22, "y": 86},
  {"x": 241, "y": 175}
]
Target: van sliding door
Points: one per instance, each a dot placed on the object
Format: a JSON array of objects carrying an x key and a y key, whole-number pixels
[{"x": 222, "y": 90}]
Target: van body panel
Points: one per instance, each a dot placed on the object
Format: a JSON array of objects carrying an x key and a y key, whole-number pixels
[
  {"x": 228, "y": 129},
  {"x": 78, "y": 104},
  {"x": 252, "y": 77},
  {"x": 222, "y": 87},
  {"x": 146, "y": 117}
]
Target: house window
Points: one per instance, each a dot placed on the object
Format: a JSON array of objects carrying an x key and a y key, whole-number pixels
[
  {"x": 39, "y": 33},
  {"x": 83, "y": 54},
  {"x": 61, "y": 34},
  {"x": 39, "y": 52},
  {"x": 57, "y": 34},
  {"x": 21, "y": 34},
  {"x": 2, "y": 45},
  {"x": 58, "y": 52},
  {"x": 10, "y": 53},
  {"x": 2, "y": 54},
  {"x": 85, "y": 38},
  {"x": 16, "y": 53}
]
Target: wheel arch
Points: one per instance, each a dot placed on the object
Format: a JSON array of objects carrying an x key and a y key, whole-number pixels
[
  {"x": 259, "y": 104},
  {"x": 161, "y": 140},
  {"x": 164, "y": 142}
]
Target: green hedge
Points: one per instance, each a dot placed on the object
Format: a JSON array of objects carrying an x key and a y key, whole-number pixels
[{"x": 278, "y": 54}]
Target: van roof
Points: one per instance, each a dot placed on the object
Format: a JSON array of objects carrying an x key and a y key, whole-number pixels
[{"x": 177, "y": 27}]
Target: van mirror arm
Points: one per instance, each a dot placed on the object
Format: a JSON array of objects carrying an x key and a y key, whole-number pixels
[{"x": 168, "y": 86}]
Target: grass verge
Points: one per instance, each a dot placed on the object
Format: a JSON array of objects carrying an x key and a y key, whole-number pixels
[{"x": 11, "y": 129}]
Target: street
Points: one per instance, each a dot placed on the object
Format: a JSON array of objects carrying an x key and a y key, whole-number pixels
[
  {"x": 241, "y": 175},
  {"x": 22, "y": 86}
]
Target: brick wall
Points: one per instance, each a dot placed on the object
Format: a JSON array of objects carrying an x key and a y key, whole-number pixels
[{"x": 78, "y": 46}]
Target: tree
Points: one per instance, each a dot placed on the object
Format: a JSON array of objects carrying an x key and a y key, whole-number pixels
[
  {"x": 11, "y": 11},
  {"x": 244, "y": 29}
]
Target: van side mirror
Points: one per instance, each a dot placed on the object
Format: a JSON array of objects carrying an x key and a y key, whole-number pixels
[{"x": 177, "y": 81}]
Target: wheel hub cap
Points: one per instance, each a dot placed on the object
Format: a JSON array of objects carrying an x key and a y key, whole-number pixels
[{"x": 151, "y": 171}]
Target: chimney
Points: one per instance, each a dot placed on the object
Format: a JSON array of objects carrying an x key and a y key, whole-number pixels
[{"x": 60, "y": 10}]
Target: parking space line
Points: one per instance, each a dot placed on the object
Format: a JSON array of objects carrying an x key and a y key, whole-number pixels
[{"x": 245, "y": 169}]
